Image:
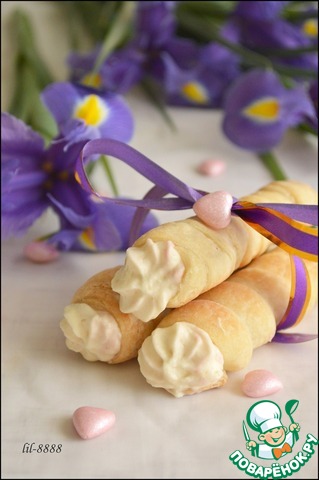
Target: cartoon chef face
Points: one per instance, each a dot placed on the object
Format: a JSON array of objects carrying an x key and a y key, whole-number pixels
[
  {"x": 265, "y": 417},
  {"x": 273, "y": 437}
]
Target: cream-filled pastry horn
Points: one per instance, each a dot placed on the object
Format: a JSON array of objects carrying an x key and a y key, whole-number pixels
[
  {"x": 176, "y": 262},
  {"x": 95, "y": 327},
  {"x": 194, "y": 346}
]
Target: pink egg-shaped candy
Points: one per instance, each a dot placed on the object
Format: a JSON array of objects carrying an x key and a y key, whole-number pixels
[
  {"x": 212, "y": 168},
  {"x": 41, "y": 252},
  {"x": 90, "y": 422},
  {"x": 214, "y": 209},
  {"x": 260, "y": 383}
]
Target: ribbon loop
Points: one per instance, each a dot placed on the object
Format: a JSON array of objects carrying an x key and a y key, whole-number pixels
[{"x": 141, "y": 164}]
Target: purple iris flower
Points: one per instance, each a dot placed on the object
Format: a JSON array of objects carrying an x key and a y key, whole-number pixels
[
  {"x": 259, "y": 109},
  {"x": 34, "y": 175},
  {"x": 261, "y": 28},
  {"x": 119, "y": 73},
  {"x": 155, "y": 24},
  {"x": 259, "y": 10},
  {"x": 155, "y": 37},
  {"x": 35, "y": 178},
  {"x": 144, "y": 55},
  {"x": 84, "y": 113},
  {"x": 205, "y": 84}
]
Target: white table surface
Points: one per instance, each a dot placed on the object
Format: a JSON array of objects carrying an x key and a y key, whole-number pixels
[{"x": 156, "y": 435}]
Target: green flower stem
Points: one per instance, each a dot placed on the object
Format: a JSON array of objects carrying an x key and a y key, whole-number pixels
[
  {"x": 43, "y": 238},
  {"x": 89, "y": 169},
  {"x": 271, "y": 163},
  {"x": 215, "y": 9},
  {"x": 107, "y": 168},
  {"x": 117, "y": 33},
  {"x": 103, "y": 160},
  {"x": 151, "y": 90},
  {"x": 290, "y": 52}
]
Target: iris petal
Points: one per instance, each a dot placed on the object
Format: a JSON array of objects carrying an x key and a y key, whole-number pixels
[
  {"x": 105, "y": 235},
  {"x": 17, "y": 222},
  {"x": 18, "y": 141},
  {"x": 65, "y": 239},
  {"x": 76, "y": 218},
  {"x": 60, "y": 98}
]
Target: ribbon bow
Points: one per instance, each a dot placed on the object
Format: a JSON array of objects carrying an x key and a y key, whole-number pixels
[
  {"x": 289, "y": 226},
  {"x": 277, "y": 452}
]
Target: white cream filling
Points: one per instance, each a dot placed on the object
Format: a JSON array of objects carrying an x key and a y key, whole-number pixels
[
  {"x": 149, "y": 278},
  {"x": 181, "y": 358},
  {"x": 94, "y": 334}
]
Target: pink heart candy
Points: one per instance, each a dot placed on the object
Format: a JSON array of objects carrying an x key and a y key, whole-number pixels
[
  {"x": 90, "y": 422},
  {"x": 214, "y": 209},
  {"x": 212, "y": 168},
  {"x": 260, "y": 383},
  {"x": 41, "y": 252}
]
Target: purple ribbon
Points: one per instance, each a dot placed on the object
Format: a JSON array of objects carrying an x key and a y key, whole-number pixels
[
  {"x": 278, "y": 222},
  {"x": 299, "y": 299}
]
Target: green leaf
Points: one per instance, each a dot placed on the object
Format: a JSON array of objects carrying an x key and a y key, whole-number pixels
[
  {"x": 31, "y": 75},
  {"x": 119, "y": 30},
  {"x": 94, "y": 18},
  {"x": 305, "y": 128},
  {"x": 42, "y": 121},
  {"x": 294, "y": 14},
  {"x": 27, "y": 105},
  {"x": 26, "y": 47},
  {"x": 21, "y": 102}
]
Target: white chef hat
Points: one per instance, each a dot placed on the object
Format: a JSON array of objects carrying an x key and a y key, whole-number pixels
[{"x": 264, "y": 416}]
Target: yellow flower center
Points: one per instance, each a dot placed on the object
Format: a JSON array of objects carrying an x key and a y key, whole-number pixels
[
  {"x": 92, "y": 80},
  {"x": 265, "y": 110},
  {"x": 310, "y": 28},
  {"x": 91, "y": 110},
  {"x": 195, "y": 92},
  {"x": 87, "y": 239}
]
